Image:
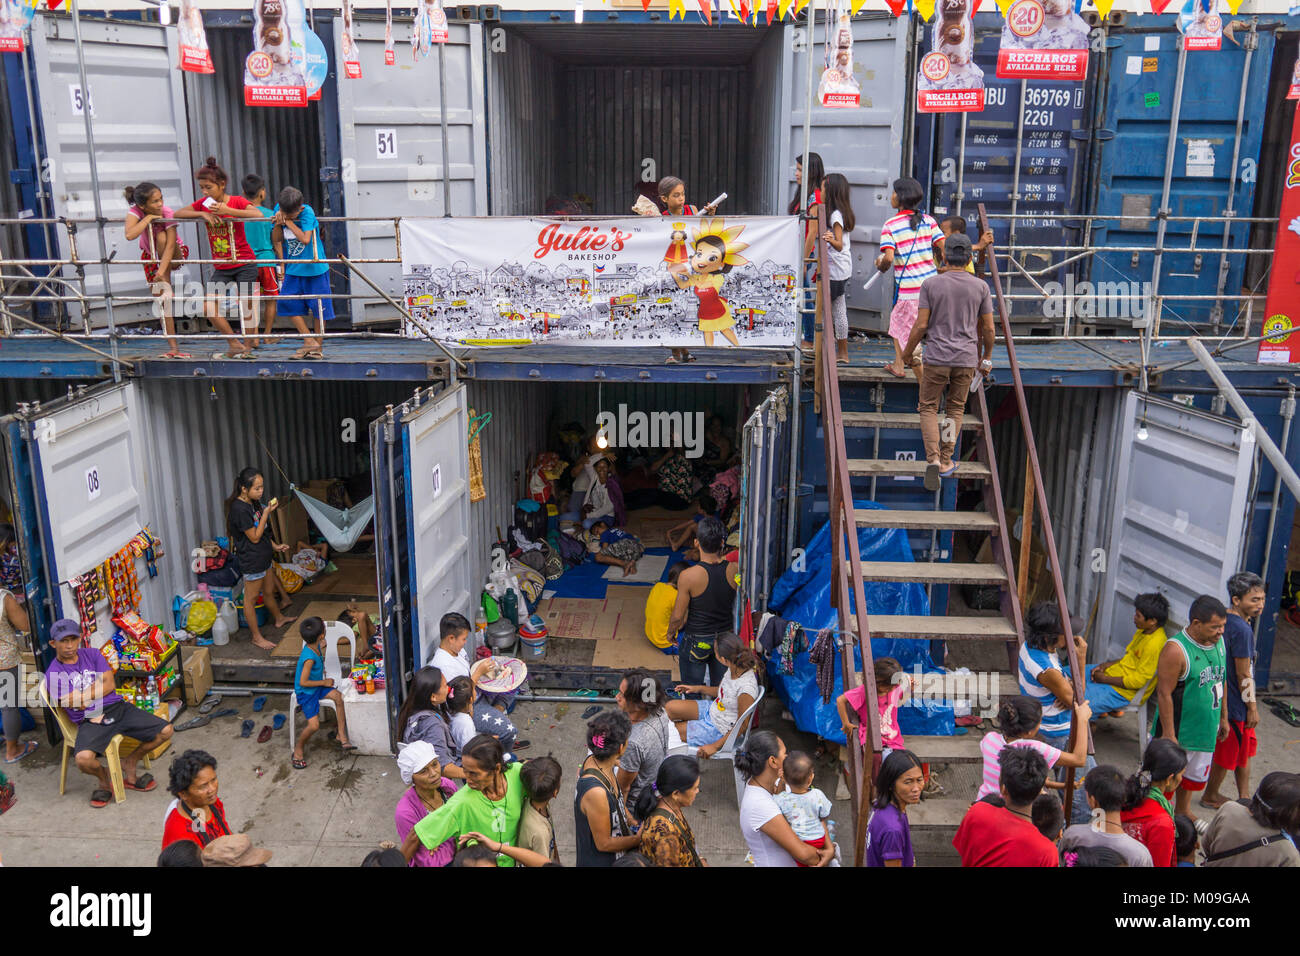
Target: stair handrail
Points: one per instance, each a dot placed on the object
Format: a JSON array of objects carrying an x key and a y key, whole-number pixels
[
  {"x": 1040, "y": 499},
  {"x": 846, "y": 576}
]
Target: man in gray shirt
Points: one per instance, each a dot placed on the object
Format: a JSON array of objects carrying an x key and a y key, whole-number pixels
[{"x": 955, "y": 318}]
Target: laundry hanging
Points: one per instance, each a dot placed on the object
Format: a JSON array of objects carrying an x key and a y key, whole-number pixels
[{"x": 341, "y": 527}]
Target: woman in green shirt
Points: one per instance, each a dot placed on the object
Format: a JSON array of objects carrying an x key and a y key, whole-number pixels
[{"x": 491, "y": 802}]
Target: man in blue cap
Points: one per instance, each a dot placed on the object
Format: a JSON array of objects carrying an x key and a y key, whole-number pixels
[{"x": 80, "y": 681}]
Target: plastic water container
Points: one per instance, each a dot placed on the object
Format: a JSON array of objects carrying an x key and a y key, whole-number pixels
[
  {"x": 230, "y": 614},
  {"x": 220, "y": 632},
  {"x": 532, "y": 648}
]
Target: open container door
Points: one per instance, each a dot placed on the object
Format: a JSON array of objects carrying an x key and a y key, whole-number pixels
[
  {"x": 79, "y": 487},
  {"x": 392, "y": 143},
  {"x": 1180, "y": 517},
  {"x": 137, "y": 107},
  {"x": 421, "y": 466}
]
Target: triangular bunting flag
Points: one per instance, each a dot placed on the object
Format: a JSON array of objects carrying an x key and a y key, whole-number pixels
[
  {"x": 783, "y": 8},
  {"x": 1234, "y": 6},
  {"x": 771, "y": 9},
  {"x": 799, "y": 5},
  {"x": 1103, "y": 6},
  {"x": 896, "y": 7},
  {"x": 1005, "y": 5},
  {"x": 855, "y": 6},
  {"x": 645, "y": 5},
  {"x": 54, "y": 3},
  {"x": 926, "y": 9},
  {"x": 676, "y": 8},
  {"x": 1158, "y": 6},
  {"x": 707, "y": 9},
  {"x": 975, "y": 8}
]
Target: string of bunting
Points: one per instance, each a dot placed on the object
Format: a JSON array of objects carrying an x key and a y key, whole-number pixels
[
  {"x": 115, "y": 580},
  {"x": 766, "y": 12}
]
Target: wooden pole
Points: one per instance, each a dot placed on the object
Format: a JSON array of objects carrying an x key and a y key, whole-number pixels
[{"x": 1026, "y": 536}]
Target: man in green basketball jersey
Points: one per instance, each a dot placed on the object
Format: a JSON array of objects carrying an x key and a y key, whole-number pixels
[{"x": 1189, "y": 693}]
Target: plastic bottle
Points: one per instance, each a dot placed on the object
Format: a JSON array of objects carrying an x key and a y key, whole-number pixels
[
  {"x": 220, "y": 632},
  {"x": 230, "y": 614},
  {"x": 510, "y": 606},
  {"x": 491, "y": 611}
]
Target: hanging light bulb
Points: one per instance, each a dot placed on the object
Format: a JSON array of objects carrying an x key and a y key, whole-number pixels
[
  {"x": 1141, "y": 433},
  {"x": 601, "y": 440},
  {"x": 164, "y": 13},
  {"x": 577, "y": 11}
]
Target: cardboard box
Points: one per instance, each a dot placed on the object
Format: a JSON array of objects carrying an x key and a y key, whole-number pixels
[
  {"x": 197, "y": 675},
  {"x": 589, "y": 625}
]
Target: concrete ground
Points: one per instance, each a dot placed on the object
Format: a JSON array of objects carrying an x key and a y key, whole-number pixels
[{"x": 331, "y": 814}]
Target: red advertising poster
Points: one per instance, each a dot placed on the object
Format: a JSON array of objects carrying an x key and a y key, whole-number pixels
[
  {"x": 275, "y": 72},
  {"x": 948, "y": 80},
  {"x": 1282, "y": 307},
  {"x": 1043, "y": 40},
  {"x": 1201, "y": 25},
  {"x": 351, "y": 55},
  {"x": 1294, "y": 92},
  {"x": 430, "y": 27},
  {"x": 390, "y": 55},
  {"x": 195, "y": 56}
]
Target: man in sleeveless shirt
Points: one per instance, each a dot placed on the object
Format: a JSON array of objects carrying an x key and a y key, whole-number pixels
[
  {"x": 706, "y": 593},
  {"x": 1190, "y": 692}
]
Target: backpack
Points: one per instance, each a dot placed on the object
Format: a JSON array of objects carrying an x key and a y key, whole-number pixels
[
  {"x": 530, "y": 518},
  {"x": 572, "y": 551}
]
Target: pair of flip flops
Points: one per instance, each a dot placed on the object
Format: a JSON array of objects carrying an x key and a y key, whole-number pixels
[
  {"x": 209, "y": 703},
  {"x": 142, "y": 783},
  {"x": 28, "y": 749},
  {"x": 246, "y": 730},
  {"x": 1283, "y": 710}
]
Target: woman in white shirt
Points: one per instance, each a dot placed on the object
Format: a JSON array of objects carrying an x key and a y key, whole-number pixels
[{"x": 772, "y": 841}]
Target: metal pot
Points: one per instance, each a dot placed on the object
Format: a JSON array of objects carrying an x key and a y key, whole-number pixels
[{"x": 501, "y": 635}]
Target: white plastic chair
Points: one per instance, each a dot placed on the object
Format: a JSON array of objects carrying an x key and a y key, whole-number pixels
[
  {"x": 735, "y": 740},
  {"x": 1139, "y": 706},
  {"x": 335, "y": 631}
]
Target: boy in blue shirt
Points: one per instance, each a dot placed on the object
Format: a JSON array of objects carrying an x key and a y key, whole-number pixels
[
  {"x": 311, "y": 686},
  {"x": 258, "y": 234},
  {"x": 295, "y": 237}
]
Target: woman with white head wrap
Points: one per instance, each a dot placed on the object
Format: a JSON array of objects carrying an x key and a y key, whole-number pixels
[{"x": 429, "y": 789}]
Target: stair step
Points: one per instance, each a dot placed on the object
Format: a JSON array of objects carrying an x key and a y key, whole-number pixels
[
  {"x": 928, "y": 520},
  {"x": 943, "y": 813},
  {"x": 961, "y": 748},
  {"x": 873, "y": 373},
  {"x": 940, "y": 627},
  {"x": 933, "y": 572},
  {"x": 885, "y": 466},
  {"x": 909, "y": 420}
]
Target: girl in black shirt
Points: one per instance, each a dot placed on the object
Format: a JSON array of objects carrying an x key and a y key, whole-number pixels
[{"x": 250, "y": 539}]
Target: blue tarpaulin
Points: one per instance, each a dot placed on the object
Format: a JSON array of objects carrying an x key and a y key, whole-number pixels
[{"x": 805, "y": 597}]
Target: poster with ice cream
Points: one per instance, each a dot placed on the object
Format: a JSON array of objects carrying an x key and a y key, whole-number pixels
[
  {"x": 1043, "y": 40},
  {"x": 275, "y": 72},
  {"x": 949, "y": 80}
]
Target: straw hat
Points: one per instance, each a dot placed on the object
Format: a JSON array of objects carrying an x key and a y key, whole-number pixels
[
  {"x": 235, "y": 850},
  {"x": 511, "y": 672}
]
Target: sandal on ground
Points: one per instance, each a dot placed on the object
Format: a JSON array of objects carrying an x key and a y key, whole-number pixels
[
  {"x": 890, "y": 369},
  {"x": 100, "y": 798},
  {"x": 208, "y": 704},
  {"x": 305, "y": 354},
  {"x": 195, "y": 723},
  {"x": 522, "y": 744},
  {"x": 932, "y": 482},
  {"x": 177, "y": 355},
  {"x": 224, "y": 712},
  {"x": 230, "y": 356},
  {"x": 949, "y": 472},
  {"x": 143, "y": 782},
  {"x": 28, "y": 748},
  {"x": 246, "y": 728},
  {"x": 298, "y": 764},
  {"x": 265, "y": 734},
  {"x": 672, "y": 360},
  {"x": 259, "y": 702},
  {"x": 348, "y": 748}
]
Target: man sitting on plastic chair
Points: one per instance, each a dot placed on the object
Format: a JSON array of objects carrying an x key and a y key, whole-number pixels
[
  {"x": 81, "y": 681},
  {"x": 1120, "y": 682}
]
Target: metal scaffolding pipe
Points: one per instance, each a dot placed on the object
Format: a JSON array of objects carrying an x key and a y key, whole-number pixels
[{"x": 1266, "y": 444}]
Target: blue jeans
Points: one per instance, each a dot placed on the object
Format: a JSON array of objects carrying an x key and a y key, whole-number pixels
[{"x": 1078, "y": 812}]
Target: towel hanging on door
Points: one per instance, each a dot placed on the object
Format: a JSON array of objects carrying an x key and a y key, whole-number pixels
[{"x": 341, "y": 527}]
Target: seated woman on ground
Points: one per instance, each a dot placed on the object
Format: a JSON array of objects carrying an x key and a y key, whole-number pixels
[
  {"x": 365, "y": 628},
  {"x": 706, "y": 723}
]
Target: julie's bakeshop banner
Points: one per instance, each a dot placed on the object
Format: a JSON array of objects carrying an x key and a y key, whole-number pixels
[
  {"x": 640, "y": 281},
  {"x": 1282, "y": 307}
]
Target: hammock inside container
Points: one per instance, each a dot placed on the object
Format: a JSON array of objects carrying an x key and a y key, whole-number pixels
[{"x": 341, "y": 528}]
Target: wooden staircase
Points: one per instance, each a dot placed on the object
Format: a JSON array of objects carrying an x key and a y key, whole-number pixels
[{"x": 848, "y": 478}]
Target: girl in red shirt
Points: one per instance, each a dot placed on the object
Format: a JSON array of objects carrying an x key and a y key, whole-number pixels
[{"x": 1147, "y": 815}]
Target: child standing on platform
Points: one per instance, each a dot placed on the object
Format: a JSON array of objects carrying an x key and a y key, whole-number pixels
[{"x": 911, "y": 242}]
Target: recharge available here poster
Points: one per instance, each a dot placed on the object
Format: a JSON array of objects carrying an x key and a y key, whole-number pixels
[
  {"x": 1201, "y": 25},
  {"x": 275, "y": 72},
  {"x": 949, "y": 81},
  {"x": 1043, "y": 40},
  {"x": 15, "y": 17}
]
